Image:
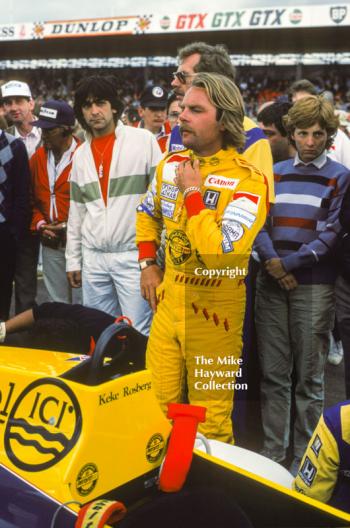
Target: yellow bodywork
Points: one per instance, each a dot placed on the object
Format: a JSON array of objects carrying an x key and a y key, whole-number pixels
[{"x": 71, "y": 440}]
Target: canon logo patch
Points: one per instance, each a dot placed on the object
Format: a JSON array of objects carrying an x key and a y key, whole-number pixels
[{"x": 221, "y": 181}]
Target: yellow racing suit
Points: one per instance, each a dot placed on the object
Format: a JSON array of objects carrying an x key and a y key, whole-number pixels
[
  {"x": 196, "y": 334},
  {"x": 324, "y": 472}
]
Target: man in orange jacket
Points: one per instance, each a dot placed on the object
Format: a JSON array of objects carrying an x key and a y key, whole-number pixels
[{"x": 50, "y": 168}]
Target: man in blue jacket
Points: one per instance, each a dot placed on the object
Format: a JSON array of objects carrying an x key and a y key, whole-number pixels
[{"x": 14, "y": 211}]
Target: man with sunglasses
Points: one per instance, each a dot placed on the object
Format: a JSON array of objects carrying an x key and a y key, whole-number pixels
[
  {"x": 201, "y": 57},
  {"x": 50, "y": 168}
]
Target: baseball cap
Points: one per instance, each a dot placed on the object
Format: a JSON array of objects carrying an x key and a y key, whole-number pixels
[
  {"x": 54, "y": 114},
  {"x": 154, "y": 97},
  {"x": 15, "y": 89}
]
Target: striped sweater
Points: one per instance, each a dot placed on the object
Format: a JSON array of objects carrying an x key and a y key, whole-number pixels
[
  {"x": 303, "y": 224},
  {"x": 109, "y": 227},
  {"x": 14, "y": 186}
]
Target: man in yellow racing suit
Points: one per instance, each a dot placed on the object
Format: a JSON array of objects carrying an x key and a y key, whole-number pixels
[
  {"x": 212, "y": 203},
  {"x": 324, "y": 472}
]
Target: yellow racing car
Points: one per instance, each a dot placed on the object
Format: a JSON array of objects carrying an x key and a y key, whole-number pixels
[{"x": 79, "y": 431}]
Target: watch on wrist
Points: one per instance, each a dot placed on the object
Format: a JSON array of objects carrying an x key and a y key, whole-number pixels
[
  {"x": 2, "y": 331},
  {"x": 143, "y": 264}
]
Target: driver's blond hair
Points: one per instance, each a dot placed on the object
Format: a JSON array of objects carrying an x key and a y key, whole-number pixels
[{"x": 225, "y": 96}]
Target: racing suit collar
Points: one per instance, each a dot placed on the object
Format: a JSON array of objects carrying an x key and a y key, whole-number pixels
[{"x": 217, "y": 158}]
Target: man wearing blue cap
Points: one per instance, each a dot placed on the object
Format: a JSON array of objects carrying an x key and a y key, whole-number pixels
[
  {"x": 152, "y": 110},
  {"x": 50, "y": 167}
]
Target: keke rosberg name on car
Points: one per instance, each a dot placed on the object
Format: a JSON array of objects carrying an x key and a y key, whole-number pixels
[{"x": 109, "y": 397}]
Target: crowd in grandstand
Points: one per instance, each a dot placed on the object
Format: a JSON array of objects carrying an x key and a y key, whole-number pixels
[
  {"x": 256, "y": 88},
  {"x": 191, "y": 175}
]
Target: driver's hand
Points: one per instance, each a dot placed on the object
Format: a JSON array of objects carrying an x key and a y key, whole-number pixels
[{"x": 151, "y": 277}]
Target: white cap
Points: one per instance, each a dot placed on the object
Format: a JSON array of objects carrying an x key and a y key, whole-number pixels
[{"x": 15, "y": 88}]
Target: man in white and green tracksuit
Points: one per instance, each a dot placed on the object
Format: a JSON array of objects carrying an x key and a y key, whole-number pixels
[{"x": 110, "y": 172}]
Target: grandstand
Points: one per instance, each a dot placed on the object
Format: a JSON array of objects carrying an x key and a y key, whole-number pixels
[{"x": 270, "y": 46}]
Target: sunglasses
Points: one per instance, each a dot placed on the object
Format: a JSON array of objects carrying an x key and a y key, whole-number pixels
[{"x": 182, "y": 76}]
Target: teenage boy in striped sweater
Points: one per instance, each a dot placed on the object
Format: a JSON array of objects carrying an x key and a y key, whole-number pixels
[{"x": 295, "y": 287}]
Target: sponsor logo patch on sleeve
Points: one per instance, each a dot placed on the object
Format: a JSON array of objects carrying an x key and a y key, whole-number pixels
[
  {"x": 227, "y": 245},
  {"x": 316, "y": 445},
  {"x": 308, "y": 472},
  {"x": 234, "y": 213},
  {"x": 233, "y": 230},
  {"x": 147, "y": 204}
]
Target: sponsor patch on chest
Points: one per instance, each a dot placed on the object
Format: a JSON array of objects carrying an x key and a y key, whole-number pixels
[
  {"x": 222, "y": 182},
  {"x": 169, "y": 191},
  {"x": 168, "y": 208},
  {"x": 169, "y": 172},
  {"x": 179, "y": 247},
  {"x": 246, "y": 201},
  {"x": 169, "y": 168},
  {"x": 211, "y": 199}
]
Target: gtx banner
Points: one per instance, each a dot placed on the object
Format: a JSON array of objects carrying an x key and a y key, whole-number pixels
[
  {"x": 331, "y": 15},
  {"x": 252, "y": 18}
]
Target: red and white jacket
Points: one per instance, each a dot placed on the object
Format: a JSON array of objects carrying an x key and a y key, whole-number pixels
[{"x": 50, "y": 203}]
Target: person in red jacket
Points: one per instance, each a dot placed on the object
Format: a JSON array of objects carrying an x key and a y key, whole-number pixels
[{"x": 50, "y": 168}]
